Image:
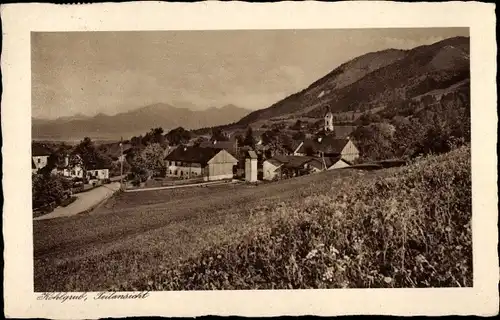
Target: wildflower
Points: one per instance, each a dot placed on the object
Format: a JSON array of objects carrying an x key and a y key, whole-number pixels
[
  {"x": 448, "y": 229},
  {"x": 420, "y": 258},
  {"x": 328, "y": 275},
  {"x": 311, "y": 254},
  {"x": 334, "y": 250},
  {"x": 387, "y": 280}
]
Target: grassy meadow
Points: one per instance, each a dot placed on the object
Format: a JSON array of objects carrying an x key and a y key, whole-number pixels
[{"x": 399, "y": 227}]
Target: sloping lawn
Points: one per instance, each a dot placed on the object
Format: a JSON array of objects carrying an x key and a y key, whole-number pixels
[{"x": 400, "y": 227}]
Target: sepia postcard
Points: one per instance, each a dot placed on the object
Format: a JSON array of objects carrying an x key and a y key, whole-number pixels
[{"x": 291, "y": 158}]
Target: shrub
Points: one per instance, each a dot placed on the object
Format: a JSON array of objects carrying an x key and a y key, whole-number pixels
[{"x": 411, "y": 228}]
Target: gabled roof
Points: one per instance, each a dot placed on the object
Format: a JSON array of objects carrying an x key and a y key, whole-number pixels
[
  {"x": 292, "y": 161},
  {"x": 328, "y": 145},
  {"x": 192, "y": 154},
  {"x": 218, "y": 144},
  {"x": 38, "y": 150},
  {"x": 275, "y": 162},
  {"x": 329, "y": 161}
]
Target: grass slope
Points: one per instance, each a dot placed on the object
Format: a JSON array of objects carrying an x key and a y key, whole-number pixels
[
  {"x": 410, "y": 229},
  {"x": 400, "y": 227}
]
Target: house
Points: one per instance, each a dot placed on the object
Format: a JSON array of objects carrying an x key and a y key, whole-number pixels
[
  {"x": 270, "y": 168},
  {"x": 74, "y": 170},
  {"x": 97, "y": 174},
  {"x": 328, "y": 146},
  {"x": 251, "y": 166},
  {"x": 195, "y": 161},
  {"x": 40, "y": 155}
]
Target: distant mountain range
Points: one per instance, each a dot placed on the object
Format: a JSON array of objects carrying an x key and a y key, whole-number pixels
[
  {"x": 375, "y": 80},
  {"x": 136, "y": 122}
]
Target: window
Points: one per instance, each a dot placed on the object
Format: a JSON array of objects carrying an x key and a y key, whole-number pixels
[
  {"x": 181, "y": 173},
  {"x": 170, "y": 171},
  {"x": 39, "y": 160}
]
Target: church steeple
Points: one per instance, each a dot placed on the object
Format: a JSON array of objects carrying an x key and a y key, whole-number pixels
[{"x": 328, "y": 120}]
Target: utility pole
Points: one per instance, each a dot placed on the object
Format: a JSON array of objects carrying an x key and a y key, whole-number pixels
[{"x": 121, "y": 163}]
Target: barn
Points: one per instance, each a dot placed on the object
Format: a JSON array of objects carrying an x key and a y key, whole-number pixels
[
  {"x": 198, "y": 162},
  {"x": 330, "y": 147}
]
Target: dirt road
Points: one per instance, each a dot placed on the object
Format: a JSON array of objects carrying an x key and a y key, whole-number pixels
[{"x": 85, "y": 201}]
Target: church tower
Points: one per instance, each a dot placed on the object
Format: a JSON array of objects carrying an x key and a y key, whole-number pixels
[{"x": 328, "y": 121}]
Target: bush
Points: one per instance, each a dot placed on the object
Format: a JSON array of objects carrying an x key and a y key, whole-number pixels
[
  {"x": 411, "y": 228},
  {"x": 68, "y": 201}
]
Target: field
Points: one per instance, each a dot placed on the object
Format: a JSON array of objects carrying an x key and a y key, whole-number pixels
[{"x": 400, "y": 227}]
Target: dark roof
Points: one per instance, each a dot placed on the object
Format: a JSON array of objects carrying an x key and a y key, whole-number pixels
[
  {"x": 275, "y": 162},
  {"x": 329, "y": 161},
  {"x": 40, "y": 150},
  {"x": 292, "y": 161},
  {"x": 228, "y": 145},
  {"x": 192, "y": 154},
  {"x": 328, "y": 145}
]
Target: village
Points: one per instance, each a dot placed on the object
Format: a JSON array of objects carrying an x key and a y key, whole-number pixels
[{"x": 197, "y": 162}]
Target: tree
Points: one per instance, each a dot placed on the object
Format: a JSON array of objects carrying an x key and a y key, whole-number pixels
[
  {"x": 152, "y": 159},
  {"x": 200, "y": 140},
  {"x": 90, "y": 157},
  {"x": 299, "y": 135},
  {"x": 249, "y": 139},
  {"x": 155, "y": 135},
  {"x": 239, "y": 139},
  {"x": 48, "y": 189},
  {"x": 297, "y": 125},
  {"x": 178, "y": 136},
  {"x": 218, "y": 135}
]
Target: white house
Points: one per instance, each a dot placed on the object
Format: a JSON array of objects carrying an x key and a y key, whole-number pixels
[
  {"x": 75, "y": 170},
  {"x": 98, "y": 174},
  {"x": 40, "y": 156}
]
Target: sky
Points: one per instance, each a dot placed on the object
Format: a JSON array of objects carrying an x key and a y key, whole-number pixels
[{"x": 111, "y": 72}]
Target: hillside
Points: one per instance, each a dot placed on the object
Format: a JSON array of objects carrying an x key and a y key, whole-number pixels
[
  {"x": 378, "y": 79},
  {"x": 134, "y": 122},
  {"x": 341, "y": 228}
]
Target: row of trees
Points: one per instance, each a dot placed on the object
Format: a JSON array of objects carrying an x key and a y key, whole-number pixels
[
  {"x": 49, "y": 189},
  {"x": 436, "y": 128}
]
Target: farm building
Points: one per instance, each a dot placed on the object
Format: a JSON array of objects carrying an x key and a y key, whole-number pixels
[
  {"x": 40, "y": 155},
  {"x": 329, "y": 147},
  {"x": 195, "y": 162},
  {"x": 299, "y": 165},
  {"x": 290, "y": 166}
]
